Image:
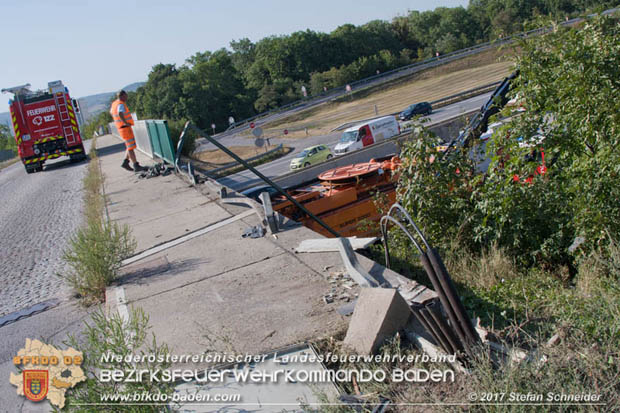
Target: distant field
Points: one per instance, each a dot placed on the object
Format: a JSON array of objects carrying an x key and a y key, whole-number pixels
[
  {"x": 446, "y": 80},
  {"x": 216, "y": 158}
]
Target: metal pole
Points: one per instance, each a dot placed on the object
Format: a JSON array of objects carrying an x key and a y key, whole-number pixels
[
  {"x": 450, "y": 292},
  {"x": 435, "y": 312},
  {"x": 428, "y": 267},
  {"x": 264, "y": 178}
]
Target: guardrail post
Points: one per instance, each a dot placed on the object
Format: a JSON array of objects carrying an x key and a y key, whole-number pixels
[{"x": 269, "y": 215}]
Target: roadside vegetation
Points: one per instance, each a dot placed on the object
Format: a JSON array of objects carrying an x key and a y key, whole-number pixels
[
  {"x": 93, "y": 125},
  {"x": 253, "y": 77},
  {"x": 535, "y": 255},
  {"x": 98, "y": 247},
  {"x": 7, "y": 143},
  {"x": 113, "y": 335}
]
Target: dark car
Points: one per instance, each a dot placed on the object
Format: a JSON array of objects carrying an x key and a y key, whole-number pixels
[{"x": 422, "y": 108}]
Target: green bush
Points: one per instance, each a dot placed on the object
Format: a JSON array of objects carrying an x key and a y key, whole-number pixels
[
  {"x": 438, "y": 192},
  {"x": 570, "y": 82},
  {"x": 120, "y": 337},
  {"x": 7, "y": 141},
  {"x": 97, "y": 248},
  {"x": 94, "y": 257}
]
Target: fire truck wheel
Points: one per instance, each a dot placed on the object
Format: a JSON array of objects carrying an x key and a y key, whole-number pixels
[
  {"x": 77, "y": 157},
  {"x": 38, "y": 167}
]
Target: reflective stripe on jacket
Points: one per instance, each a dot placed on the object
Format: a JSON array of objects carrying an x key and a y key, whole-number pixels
[{"x": 120, "y": 125}]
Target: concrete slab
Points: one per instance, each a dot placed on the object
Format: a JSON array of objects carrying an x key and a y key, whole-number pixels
[
  {"x": 379, "y": 314},
  {"x": 157, "y": 209},
  {"x": 324, "y": 262},
  {"x": 252, "y": 309},
  {"x": 202, "y": 258},
  {"x": 276, "y": 396}
]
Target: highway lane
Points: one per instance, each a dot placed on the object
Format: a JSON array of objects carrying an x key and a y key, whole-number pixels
[
  {"x": 244, "y": 179},
  {"x": 39, "y": 213}
]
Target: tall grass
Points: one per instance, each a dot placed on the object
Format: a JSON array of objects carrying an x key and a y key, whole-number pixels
[
  {"x": 113, "y": 335},
  {"x": 97, "y": 249},
  {"x": 526, "y": 308}
]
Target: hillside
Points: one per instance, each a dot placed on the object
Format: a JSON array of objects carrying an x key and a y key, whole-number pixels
[{"x": 92, "y": 105}]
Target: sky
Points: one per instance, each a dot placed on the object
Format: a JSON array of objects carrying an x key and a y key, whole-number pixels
[{"x": 102, "y": 46}]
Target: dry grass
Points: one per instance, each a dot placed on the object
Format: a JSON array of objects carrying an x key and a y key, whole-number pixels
[
  {"x": 216, "y": 157},
  {"x": 491, "y": 267},
  {"x": 6, "y": 164},
  {"x": 98, "y": 247},
  {"x": 429, "y": 85},
  {"x": 584, "y": 359}
]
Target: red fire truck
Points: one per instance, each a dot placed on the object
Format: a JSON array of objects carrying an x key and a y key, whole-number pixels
[{"x": 45, "y": 125}]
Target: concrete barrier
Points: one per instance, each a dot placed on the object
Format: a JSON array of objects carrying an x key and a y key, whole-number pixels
[{"x": 141, "y": 134}]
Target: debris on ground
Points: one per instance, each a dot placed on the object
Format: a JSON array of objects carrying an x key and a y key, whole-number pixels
[
  {"x": 254, "y": 232},
  {"x": 342, "y": 288},
  {"x": 159, "y": 169}
]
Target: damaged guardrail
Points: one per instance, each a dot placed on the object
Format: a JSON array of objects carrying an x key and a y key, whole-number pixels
[
  {"x": 216, "y": 172},
  {"x": 248, "y": 166}
]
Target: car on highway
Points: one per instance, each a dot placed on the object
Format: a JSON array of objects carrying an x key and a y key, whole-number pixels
[
  {"x": 422, "y": 108},
  {"x": 310, "y": 156},
  {"x": 366, "y": 134}
]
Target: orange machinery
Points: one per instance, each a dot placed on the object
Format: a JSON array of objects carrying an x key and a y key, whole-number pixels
[{"x": 345, "y": 198}]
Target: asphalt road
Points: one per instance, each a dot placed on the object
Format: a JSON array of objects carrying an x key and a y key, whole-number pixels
[
  {"x": 39, "y": 214},
  {"x": 280, "y": 166}
]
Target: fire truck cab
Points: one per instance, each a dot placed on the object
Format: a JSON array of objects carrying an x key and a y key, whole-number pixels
[{"x": 45, "y": 125}]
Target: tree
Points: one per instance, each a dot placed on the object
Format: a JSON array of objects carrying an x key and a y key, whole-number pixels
[
  {"x": 7, "y": 142},
  {"x": 160, "y": 96},
  {"x": 212, "y": 90},
  {"x": 243, "y": 55},
  {"x": 570, "y": 83}
]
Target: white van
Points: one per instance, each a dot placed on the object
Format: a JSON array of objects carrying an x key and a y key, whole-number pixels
[{"x": 366, "y": 134}]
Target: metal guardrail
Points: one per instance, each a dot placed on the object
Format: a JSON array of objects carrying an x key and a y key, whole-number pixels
[
  {"x": 143, "y": 141},
  {"x": 482, "y": 89},
  {"x": 234, "y": 163},
  {"x": 152, "y": 139},
  {"x": 161, "y": 142}
]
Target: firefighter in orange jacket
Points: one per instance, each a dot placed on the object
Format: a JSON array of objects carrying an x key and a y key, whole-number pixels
[{"x": 122, "y": 119}]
